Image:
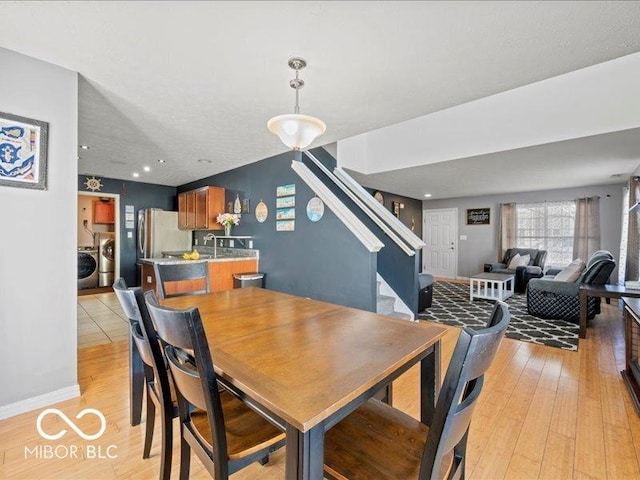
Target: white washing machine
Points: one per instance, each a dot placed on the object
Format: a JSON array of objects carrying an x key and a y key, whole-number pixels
[{"x": 87, "y": 267}]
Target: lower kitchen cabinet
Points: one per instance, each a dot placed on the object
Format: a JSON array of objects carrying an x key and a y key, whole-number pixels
[
  {"x": 220, "y": 276},
  {"x": 221, "y": 273}
]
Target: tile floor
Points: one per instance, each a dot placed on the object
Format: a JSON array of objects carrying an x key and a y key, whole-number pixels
[{"x": 100, "y": 320}]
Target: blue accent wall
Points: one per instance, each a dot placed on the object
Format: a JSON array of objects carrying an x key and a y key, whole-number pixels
[
  {"x": 398, "y": 269},
  {"x": 140, "y": 195},
  {"x": 321, "y": 260}
]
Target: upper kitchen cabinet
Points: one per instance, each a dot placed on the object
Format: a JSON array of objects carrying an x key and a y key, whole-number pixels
[
  {"x": 198, "y": 209},
  {"x": 104, "y": 212}
]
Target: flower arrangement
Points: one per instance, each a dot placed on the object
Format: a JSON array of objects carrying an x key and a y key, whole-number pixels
[{"x": 228, "y": 219}]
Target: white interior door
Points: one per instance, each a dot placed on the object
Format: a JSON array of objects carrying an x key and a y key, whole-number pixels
[{"x": 441, "y": 236}]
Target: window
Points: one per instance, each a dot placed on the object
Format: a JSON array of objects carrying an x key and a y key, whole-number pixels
[{"x": 547, "y": 226}]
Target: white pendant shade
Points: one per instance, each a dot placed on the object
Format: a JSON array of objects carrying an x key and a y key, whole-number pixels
[{"x": 296, "y": 131}]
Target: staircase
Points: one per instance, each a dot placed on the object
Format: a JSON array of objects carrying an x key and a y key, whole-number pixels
[{"x": 386, "y": 304}]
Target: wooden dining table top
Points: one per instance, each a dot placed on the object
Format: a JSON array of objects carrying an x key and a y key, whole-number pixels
[{"x": 300, "y": 358}]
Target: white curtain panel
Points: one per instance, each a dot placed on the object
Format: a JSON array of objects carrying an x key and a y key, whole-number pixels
[
  {"x": 586, "y": 237},
  {"x": 508, "y": 227}
]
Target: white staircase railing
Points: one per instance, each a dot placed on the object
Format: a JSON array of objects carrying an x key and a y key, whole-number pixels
[{"x": 367, "y": 207}]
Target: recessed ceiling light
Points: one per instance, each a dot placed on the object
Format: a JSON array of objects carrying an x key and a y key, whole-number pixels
[
  {"x": 427, "y": 195},
  {"x": 161, "y": 161},
  {"x": 203, "y": 160},
  {"x": 146, "y": 168},
  {"x": 84, "y": 147},
  {"x": 136, "y": 174}
]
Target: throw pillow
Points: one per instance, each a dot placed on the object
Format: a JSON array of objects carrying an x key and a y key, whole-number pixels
[
  {"x": 519, "y": 261},
  {"x": 571, "y": 272}
]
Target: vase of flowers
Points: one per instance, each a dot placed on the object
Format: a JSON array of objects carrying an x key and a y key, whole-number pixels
[{"x": 227, "y": 220}]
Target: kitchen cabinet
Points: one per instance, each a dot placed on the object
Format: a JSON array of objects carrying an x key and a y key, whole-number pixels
[
  {"x": 198, "y": 209},
  {"x": 221, "y": 273},
  {"x": 104, "y": 212},
  {"x": 148, "y": 280},
  {"x": 220, "y": 276}
]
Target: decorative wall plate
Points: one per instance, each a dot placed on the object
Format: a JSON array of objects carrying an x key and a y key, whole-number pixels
[
  {"x": 262, "y": 212},
  {"x": 315, "y": 209},
  {"x": 379, "y": 197}
]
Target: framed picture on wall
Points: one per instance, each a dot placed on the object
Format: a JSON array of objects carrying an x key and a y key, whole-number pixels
[
  {"x": 478, "y": 216},
  {"x": 23, "y": 152}
]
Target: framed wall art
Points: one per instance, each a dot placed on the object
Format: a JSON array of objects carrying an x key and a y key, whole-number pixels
[
  {"x": 478, "y": 216},
  {"x": 23, "y": 152}
]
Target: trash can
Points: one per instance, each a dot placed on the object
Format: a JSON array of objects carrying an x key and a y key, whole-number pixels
[{"x": 249, "y": 279}]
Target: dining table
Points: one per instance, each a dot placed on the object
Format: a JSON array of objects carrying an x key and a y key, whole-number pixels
[{"x": 306, "y": 364}]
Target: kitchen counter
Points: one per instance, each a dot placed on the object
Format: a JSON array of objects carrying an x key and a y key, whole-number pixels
[
  {"x": 222, "y": 254},
  {"x": 222, "y": 266}
]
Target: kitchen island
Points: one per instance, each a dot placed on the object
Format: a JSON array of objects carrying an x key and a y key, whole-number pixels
[{"x": 223, "y": 263}]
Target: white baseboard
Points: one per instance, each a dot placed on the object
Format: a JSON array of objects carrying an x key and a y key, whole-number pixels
[{"x": 39, "y": 401}]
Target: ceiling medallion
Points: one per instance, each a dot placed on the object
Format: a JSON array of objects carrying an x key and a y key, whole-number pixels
[{"x": 94, "y": 184}]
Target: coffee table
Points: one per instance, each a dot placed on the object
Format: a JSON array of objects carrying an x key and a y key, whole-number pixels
[{"x": 491, "y": 286}]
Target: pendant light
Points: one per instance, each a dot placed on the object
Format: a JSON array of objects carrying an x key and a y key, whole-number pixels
[{"x": 295, "y": 130}]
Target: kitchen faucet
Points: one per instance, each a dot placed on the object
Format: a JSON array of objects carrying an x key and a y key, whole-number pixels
[{"x": 212, "y": 236}]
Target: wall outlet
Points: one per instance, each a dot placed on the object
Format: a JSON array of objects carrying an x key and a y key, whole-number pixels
[
  {"x": 196, "y": 242},
  {"x": 129, "y": 234},
  {"x": 463, "y": 237},
  {"x": 231, "y": 243},
  {"x": 85, "y": 223},
  {"x": 250, "y": 244}
]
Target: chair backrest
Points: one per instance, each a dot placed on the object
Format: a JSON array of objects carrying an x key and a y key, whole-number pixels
[
  {"x": 191, "y": 366},
  {"x": 473, "y": 354},
  {"x": 598, "y": 269},
  {"x": 144, "y": 336},
  {"x": 537, "y": 257},
  {"x": 196, "y": 271}
]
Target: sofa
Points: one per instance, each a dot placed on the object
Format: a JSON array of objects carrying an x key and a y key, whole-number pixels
[
  {"x": 522, "y": 274},
  {"x": 549, "y": 298}
]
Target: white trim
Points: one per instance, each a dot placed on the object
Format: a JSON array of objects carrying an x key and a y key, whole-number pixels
[
  {"x": 399, "y": 306},
  {"x": 359, "y": 229},
  {"x": 39, "y": 401},
  {"x": 366, "y": 209},
  {"x": 407, "y": 235}
]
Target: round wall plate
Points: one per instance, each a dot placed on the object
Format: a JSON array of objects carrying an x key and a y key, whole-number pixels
[
  {"x": 379, "y": 197},
  {"x": 261, "y": 211},
  {"x": 315, "y": 209}
]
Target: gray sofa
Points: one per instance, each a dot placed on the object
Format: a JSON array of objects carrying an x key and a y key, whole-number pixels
[
  {"x": 548, "y": 298},
  {"x": 522, "y": 274}
]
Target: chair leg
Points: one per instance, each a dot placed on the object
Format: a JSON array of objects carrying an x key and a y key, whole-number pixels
[
  {"x": 185, "y": 458},
  {"x": 149, "y": 424},
  {"x": 167, "y": 443},
  {"x": 264, "y": 460}
]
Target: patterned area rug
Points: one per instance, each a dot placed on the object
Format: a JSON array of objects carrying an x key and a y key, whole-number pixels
[{"x": 451, "y": 306}]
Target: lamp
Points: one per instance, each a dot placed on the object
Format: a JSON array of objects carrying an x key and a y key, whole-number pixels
[{"x": 295, "y": 130}]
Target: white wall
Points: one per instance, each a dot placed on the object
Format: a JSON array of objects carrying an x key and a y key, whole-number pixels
[
  {"x": 598, "y": 99},
  {"x": 481, "y": 245},
  {"x": 38, "y": 278}
]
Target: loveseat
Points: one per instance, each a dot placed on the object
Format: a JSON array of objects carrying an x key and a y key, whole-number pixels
[
  {"x": 522, "y": 274},
  {"x": 549, "y": 298}
]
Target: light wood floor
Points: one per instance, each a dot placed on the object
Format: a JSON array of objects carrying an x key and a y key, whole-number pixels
[{"x": 544, "y": 413}]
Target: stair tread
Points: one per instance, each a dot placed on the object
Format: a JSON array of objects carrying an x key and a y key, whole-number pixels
[{"x": 384, "y": 298}]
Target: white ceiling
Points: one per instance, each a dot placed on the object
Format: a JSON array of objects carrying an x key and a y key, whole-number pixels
[
  {"x": 184, "y": 81},
  {"x": 596, "y": 160}
]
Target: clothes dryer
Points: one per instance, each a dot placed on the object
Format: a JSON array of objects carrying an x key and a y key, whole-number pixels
[{"x": 87, "y": 267}]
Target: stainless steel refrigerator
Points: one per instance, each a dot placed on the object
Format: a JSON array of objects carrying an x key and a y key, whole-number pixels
[{"x": 158, "y": 232}]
